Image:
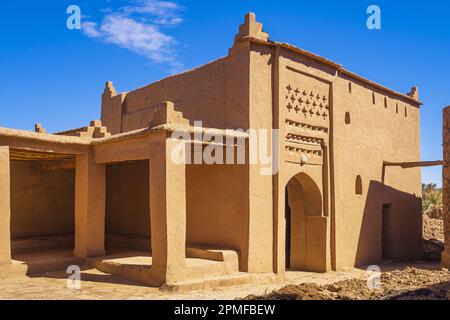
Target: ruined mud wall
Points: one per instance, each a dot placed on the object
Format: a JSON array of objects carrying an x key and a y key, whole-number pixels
[{"x": 446, "y": 186}]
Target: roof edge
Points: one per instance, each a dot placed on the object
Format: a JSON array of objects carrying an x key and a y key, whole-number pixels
[{"x": 339, "y": 68}]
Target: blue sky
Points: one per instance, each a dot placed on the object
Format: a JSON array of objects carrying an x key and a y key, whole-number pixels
[{"x": 54, "y": 75}]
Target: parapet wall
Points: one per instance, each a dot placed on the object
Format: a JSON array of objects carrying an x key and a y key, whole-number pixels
[
  {"x": 216, "y": 94},
  {"x": 446, "y": 186}
]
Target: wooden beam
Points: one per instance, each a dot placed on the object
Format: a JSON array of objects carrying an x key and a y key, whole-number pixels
[
  {"x": 28, "y": 155},
  {"x": 415, "y": 164}
]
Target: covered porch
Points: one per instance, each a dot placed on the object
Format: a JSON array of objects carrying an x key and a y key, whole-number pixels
[{"x": 86, "y": 169}]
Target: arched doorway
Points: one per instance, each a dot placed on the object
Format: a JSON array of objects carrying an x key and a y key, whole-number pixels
[{"x": 306, "y": 228}]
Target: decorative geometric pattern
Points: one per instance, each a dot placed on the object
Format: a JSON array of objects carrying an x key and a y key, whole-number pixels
[
  {"x": 303, "y": 139},
  {"x": 303, "y": 126},
  {"x": 306, "y": 102},
  {"x": 308, "y": 152}
]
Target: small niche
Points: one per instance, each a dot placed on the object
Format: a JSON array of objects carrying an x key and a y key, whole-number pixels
[
  {"x": 349, "y": 87},
  {"x": 373, "y": 98},
  {"x": 385, "y": 102},
  {"x": 358, "y": 185},
  {"x": 347, "y": 118},
  {"x": 406, "y": 111},
  {"x": 396, "y": 107}
]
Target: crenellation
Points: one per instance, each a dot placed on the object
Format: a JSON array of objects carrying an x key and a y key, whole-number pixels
[
  {"x": 109, "y": 91},
  {"x": 251, "y": 29},
  {"x": 414, "y": 93},
  {"x": 39, "y": 128}
]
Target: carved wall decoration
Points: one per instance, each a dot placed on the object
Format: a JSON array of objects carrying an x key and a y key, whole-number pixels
[
  {"x": 304, "y": 126},
  {"x": 304, "y": 143},
  {"x": 306, "y": 113},
  {"x": 306, "y": 102}
]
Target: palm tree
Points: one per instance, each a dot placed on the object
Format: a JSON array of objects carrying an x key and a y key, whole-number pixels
[{"x": 432, "y": 200}]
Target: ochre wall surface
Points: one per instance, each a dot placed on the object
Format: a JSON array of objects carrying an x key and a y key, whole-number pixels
[
  {"x": 127, "y": 199},
  {"x": 5, "y": 208},
  {"x": 353, "y": 134},
  {"x": 217, "y": 208},
  {"x": 260, "y": 177},
  {"x": 216, "y": 94},
  {"x": 381, "y": 128},
  {"x": 42, "y": 200},
  {"x": 446, "y": 186}
]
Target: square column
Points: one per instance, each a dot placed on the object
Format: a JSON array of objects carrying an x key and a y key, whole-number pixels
[
  {"x": 89, "y": 207},
  {"x": 168, "y": 212},
  {"x": 5, "y": 207}
]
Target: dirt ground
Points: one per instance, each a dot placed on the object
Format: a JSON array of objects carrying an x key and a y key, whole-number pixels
[
  {"x": 423, "y": 280},
  {"x": 410, "y": 283},
  {"x": 426, "y": 281},
  {"x": 433, "y": 238}
]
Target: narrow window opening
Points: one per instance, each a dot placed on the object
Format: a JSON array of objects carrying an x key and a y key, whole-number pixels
[
  {"x": 358, "y": 185},
  {"x": 347, "y": 118},
  {"x": 373, "y": 98},
  {"x": 349, "y": 87}
]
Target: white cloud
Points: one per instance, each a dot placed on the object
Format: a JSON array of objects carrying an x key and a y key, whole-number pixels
[
  {"x": 137, "y": 28},
  {"x": 160, "y": 12},
  {"x": 90, "y": 29}
]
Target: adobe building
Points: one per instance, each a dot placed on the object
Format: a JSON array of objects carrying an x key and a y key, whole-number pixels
[{"x": 341, "y": 197}]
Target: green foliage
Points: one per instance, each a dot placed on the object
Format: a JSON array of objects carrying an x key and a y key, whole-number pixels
[{"x": 432, "y": 200}]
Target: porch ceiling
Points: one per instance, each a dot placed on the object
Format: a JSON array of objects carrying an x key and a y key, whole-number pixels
[{"x": 30, "y": 155}]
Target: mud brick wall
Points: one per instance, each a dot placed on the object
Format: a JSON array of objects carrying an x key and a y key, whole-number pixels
[{"x": 446, "y": 186}]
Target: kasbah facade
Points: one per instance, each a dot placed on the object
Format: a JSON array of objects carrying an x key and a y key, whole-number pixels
[{"x": 347, "y": 192}]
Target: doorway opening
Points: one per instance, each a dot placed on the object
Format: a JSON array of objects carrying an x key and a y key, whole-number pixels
[
  {"x": 287, "y": 215},
  {"x": 306, "y": 228},
  {"x": 127, "y": 216}
]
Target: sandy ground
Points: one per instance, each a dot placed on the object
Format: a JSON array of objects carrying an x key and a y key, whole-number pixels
[{"x": 98, "y": 285}]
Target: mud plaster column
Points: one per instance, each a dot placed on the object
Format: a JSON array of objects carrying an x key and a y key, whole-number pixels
[
  {"x": 446, "y": 187},
  {"x": 89, "y": 207},
  {"x": 168, "y": 213},
  {"x": 5, "y": 207}
]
